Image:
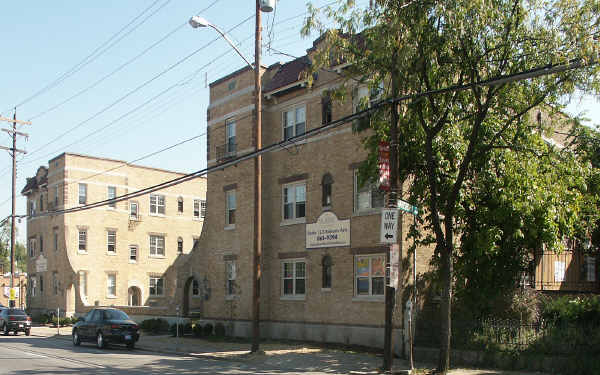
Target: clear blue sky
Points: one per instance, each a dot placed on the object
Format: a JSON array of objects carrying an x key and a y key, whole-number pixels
[{"x": 136, "y": 109}]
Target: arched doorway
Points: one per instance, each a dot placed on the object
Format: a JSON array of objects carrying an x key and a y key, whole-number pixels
[
  {"x": 134, "y": 296},
  {"x": 186, "y": 296}
]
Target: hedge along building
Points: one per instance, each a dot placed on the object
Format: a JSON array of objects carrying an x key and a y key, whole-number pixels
[
  {"x": 116, "y": 254},
  {"x": 323, "y": 266}
]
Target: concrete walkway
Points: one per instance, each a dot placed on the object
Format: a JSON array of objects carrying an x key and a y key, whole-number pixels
[{"x": 280, "y": 355}]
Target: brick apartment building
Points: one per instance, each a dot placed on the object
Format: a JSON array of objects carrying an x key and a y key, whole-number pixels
[
  {"x": 116, "y": 254},
  {"x": 19, "y": 282},
  {"x": 313, "y": 287}
]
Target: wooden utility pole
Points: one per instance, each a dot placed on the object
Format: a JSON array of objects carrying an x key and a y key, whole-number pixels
[{"x": 13, "y": 232}]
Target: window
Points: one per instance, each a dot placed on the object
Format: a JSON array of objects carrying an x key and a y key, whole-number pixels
[
  {"x": 366, "y": 197},
  {"x": 82, "y": 240},
  {"x": 195, "y": 288},
  {"x": 112, "y": 194},
  {"x": 55, "y": 283},
  {"x": 83, "y": 283},
  {"x": 326, "y": 263},
  {"x": 559, "y": 271},
  {"x": 157, "y": 285},
  {"x": 326, "y": 186},
  {"x": 231, "y": 145},
  {"x": 196, "y": 208},
  {"x": 32, "y": 242},
  {"x": 157, "y": 246},
  {"x": 41, "y": 202},
  {"x": 111, "y": 241},
  {"x": 55, "y": 239},
  {"x": 293, "y": 278},
  {"x": 179, "y": 245},
  {"x": 590, "y": 268},
  {"x": 294, "y": 201},
  {"x": 230, "y": 270},
  {"x": 231, "y": 85},
  {"x": 41, "y": 284},
  {"x": 41, "y": 244},
  {"x": 180, "y": 205},
  {"x": 56, "y": 196},
  {"x": 370, "y": 275},
  {"x": 294, "y": 122},
  {"x": 133, "y": 210},
  {"x": 111, "y": 285},
  {"x": 230, "y": 209},
  {"x": 82, "y": 193},
  {"x": 157, "y": 204},
  {"x": 196, "y": 239},
  {"x": 33, "y": 286},
  {"x": 326, "y": 108},
  {"x": 202, "y": 208},
  {"x": 133, "y": 251},
  {"x": 32, "y": 208}
]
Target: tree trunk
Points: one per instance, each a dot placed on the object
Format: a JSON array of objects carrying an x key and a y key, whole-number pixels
[{"x": 446, "y": 310}]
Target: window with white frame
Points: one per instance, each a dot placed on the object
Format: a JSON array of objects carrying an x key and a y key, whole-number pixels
[
  {"x": 83, "y": 283},
  {"x": 157, "y": 245},
  {"x": 82, "y": 240},
  {"x": 180, "y": 205},
  {"x": 366, "y": 197},
  {"x": 369, "y": 273},
  {"x": 111, "y": 285},
  {"x": 231, "y": 145},
  {"x": 293, "y": 278},
  {"x": 133, "y": 210},
  {"x": 202, "y": 208},
  {"x": 111, "y": 241},
  {"x": 230, "y": 270},
  {"x": 294, "y": 201},
  {"x": 230, "y": 208},
  {"x": 32, "y": 245},
  {"x": 294, "y": 122},
  {"x": 179, "y": 245},
  {"x": 82, "y": 193},
  {"x": 590, "y": 268},
  {"x": 55, "y": 283},
  {"x": 133, "y": 253},
  {"x": 33, "y": 286},
  {"x": 157, "y": 204},
  {"x": 157, "y": 285},
  {"x": 112, "y": 194},
  {"x": 196, "y": 208},
  {"x": 559, "y": 271}
]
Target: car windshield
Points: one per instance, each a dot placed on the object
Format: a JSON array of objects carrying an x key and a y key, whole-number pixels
[
  {"x": 115, "y": 315},
  {"x": 16, "y": 312}
]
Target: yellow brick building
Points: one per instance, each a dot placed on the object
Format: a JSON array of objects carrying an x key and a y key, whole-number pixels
[{"x": 116, "y": 254}]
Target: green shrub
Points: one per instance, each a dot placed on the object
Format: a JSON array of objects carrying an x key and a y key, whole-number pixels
[
  {"x": 187, "y": 328},
  {"x": 219, "y": 330},
  {"x": 173, "y": 330},
  {"x": 207, "y": 330},
  {"x": 572, "y": 310},
  {"x": 197, "y": 330},
  {"x": 155, "y": 325}
]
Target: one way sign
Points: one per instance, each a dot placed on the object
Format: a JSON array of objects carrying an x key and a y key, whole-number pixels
[{"x": 389, "y": 225}]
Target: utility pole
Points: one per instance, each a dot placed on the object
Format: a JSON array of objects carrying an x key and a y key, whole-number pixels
[
  {"x": 257, "y": 188},
  {"x": 13, "y": 232}
]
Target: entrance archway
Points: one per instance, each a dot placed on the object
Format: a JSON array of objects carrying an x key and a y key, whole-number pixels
[
  {"x": 186, "y": 296},
  {"x": 134, "y": 296}
]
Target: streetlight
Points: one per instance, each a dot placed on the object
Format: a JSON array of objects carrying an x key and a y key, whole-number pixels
[{"x": 195, "y": 22}]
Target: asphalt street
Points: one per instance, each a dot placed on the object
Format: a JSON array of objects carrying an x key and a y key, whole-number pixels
[{"x": 44, "y": 355}]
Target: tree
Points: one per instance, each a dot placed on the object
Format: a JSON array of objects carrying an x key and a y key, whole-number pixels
[
  {"x": 20, "y": 250},
  {"x": 461, "y": 146}
]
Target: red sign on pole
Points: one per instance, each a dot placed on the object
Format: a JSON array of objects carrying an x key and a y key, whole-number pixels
[{"x": 384, "y": 165}]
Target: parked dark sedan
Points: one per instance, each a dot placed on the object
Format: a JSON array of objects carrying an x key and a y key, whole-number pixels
[
  {"x": 15, "y": 320},
  {"x": 106, "y": 326}
]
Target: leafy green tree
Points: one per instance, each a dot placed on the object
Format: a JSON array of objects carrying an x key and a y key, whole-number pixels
[
  {"x": 20, "y": 250},
  {"x": 468, "y": 145}
]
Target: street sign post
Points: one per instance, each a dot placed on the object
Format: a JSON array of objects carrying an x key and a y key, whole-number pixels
[
  {"x": 407, "y": 207},
  {"x": 389, "y": 225},
  {"x": 394, "y": 265}
]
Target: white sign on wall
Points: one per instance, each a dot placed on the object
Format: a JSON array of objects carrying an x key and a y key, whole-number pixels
[
  {"x": 328, "y": 231},
  {"x": 7, "y": 292},
  {"x": 394, "y": 265},
  {"x": 41, "y": 264}
]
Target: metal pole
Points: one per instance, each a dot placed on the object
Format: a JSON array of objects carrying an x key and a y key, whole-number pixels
[
  {"x": 58, "y": 321},
  {"x": 257, "y": 187},
  {"x": 13, "y": 230}
]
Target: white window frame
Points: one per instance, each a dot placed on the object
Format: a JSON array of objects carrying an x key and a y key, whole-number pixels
[
  {"x": 295, "y": 278},
  {"x": 202, "y": 208},
  {"x": 197, "y": 205},
  {"x": 111, "y": 193},
  {"x": 133, "y": 216},
  {"x": 368, "y": 189},
  {"x": 228, "y": 208},
  {"x": 559, "y": 271},
  {"x": 33, "y": 287},
  {"x": 32, "y": 246},
  {"x": 230, "y": 277},
  {"x": 294, "y": 125},
  {"x": 155, "y": 207},
  {"x": 294, "y": 218},
  {"x": 370, "y": 276},
  {"x": 82, "y": 194},
  {"x": 180, "y": 206},
  {"x": 79, "y": 240},
  {"x": 179, "y": 248},
  {"x": 112, "y": 242},
  {"x": 590, "y": 268},
  {"x": 153, "y": 283},
  {"x": 135, "y": 252},
  {"x": 154, "y": 249},
  {"x": 83, "y": 281},
  {"x": 230, "y": 137},
  {"x": 111, "y": 285}
]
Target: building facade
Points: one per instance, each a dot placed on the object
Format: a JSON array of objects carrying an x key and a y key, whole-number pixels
[
  {"x": 20, "y": 284},
  {"x": 115, "y": 254},
  {"x": 323, "y": 265}
]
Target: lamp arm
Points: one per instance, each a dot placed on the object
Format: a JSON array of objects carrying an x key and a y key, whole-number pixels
[{"x": 231, "y": 44}]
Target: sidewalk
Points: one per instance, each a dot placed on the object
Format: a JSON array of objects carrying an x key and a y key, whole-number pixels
[{"x": 280, "y": 355}]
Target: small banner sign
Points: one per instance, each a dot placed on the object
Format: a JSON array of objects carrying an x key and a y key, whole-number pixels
[{"x": 384, "y": 165}]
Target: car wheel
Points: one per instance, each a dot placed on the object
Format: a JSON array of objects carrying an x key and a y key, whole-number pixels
[
  {"x": 76, "y": 338},
  {"x": 28, "y": 332},
  {"x": 100, "y": 341},
  {"x": 5, "y": 329}
]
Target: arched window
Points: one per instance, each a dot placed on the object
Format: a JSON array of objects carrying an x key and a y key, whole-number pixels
[
  {"x": 326, "y": 184},
  {"x": 179, "y": 245},
  {"x": 326, "y": 263}
]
